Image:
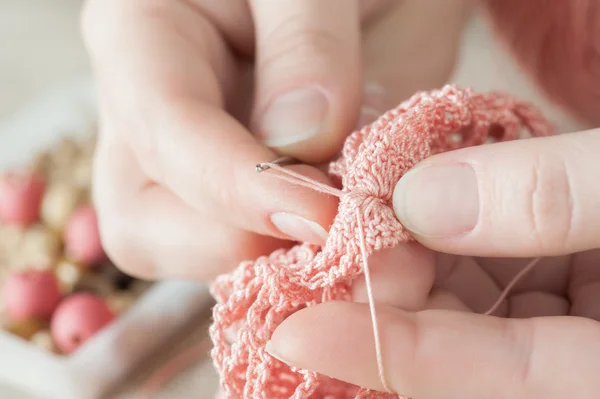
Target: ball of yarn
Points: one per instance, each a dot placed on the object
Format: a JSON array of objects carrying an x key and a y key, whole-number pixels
[
  {"x": 555, "y": 42},
  {"x": 31, "y": 295},
  {"x": 20, "y": 198},
  {"x": 78, "y": 318},
  {"x": 82, "y": 238}
]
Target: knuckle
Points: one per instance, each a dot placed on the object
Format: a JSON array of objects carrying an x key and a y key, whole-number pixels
[
  {"x": 119, "y": 244},
  {"x": 145, "y": 147},
  {"x": 551, "y": 210},
  {"x": 291, "y": 41},
  {"x": 103, "y": 23},
  {"x": 222, "y": 191},
  {"x": 530, "y": 352},
  {"x": 141, "y": 141},
  {"x": 95, "y": 19},
  {"x": 521, "y": 335},
  {"x": 223, "y": 186}
]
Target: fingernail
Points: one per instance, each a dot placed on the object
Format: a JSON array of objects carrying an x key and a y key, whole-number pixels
[
  {"x": 438, "y": 200},
  {"x": 299, "y": 228},
  {"x": 269, "y": 347},
  {"x": 293, "y": 117}
]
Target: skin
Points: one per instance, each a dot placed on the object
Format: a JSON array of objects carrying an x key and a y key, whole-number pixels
[
  {"x": 184, "y": 87},
  {"x": 543, "y": 341},
  {"x": 181, "y": 127}
]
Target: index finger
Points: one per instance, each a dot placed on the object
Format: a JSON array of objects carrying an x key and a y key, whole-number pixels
[{"x": 165, "y": 75}]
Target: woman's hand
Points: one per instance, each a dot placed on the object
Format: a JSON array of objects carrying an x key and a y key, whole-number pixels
[
  {"x": 194, "y": 93},
  {"x": 531, "y": 198}
]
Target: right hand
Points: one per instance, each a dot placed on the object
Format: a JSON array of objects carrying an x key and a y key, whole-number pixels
[
  {"x": 182, "y": 83},
  {"x": 485, "y": 207}
]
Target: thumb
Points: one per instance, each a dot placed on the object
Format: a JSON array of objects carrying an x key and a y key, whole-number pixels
[
  {"x": 308, "y": 75},
  {"x": 536, "y": 197}
]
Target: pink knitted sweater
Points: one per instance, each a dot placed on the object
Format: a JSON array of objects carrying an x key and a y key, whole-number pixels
[{"x": 256, "y": 297}]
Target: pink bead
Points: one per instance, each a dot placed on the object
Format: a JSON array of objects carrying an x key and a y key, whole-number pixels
[
  {"x": 77, "y": 319},
  {"x": 31, "y": 295},
  {"x": 20, "y": 198},
  {"x": 82, "y": 238}
]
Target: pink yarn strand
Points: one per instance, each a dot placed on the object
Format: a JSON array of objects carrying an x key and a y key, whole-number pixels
[
  {"x": 511, "y": 285},
  {"x": 376, "y": 336},
  {"x": 301, "y": 180}
]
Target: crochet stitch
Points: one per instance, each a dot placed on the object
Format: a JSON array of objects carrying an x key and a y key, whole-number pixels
[{"x": 256, "y": 297}]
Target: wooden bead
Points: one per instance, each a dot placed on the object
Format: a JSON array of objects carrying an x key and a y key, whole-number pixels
[
  {"x": 78, "y": 318},
  {"x": 82, "y": 172},
  {"x": 82, "y": 237},
  {"x": 10, "y": 238},
  {"x": 43, "y": 340},
  {"x": 20, "y": 198},
  {"x": 59, "y": 203},
  {"x": 26, "y": 328},
  {"x": 38, "y": 248},
  {"x": 69, "y": 275},
  {"x": 30, "y": 295}
]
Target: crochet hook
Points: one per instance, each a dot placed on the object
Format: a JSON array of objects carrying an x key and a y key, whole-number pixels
[{"x": 284, "y": 161}]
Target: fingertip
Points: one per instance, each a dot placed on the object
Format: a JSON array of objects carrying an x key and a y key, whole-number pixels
[
  {"x": 316, "y": 338},
  {"x": 524, "y": 198},
  {"x": 336, "y": 339},
  {"x": 296, "y": 212},
  {"x": 400, "y": 276},
  {"x": 438, "y": 200}
]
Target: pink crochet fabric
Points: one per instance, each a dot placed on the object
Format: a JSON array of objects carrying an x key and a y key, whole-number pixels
[{"x": 255, "y": 298}]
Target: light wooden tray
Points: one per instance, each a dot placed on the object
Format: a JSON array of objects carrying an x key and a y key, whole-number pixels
[{"x": 163, "y": 311}]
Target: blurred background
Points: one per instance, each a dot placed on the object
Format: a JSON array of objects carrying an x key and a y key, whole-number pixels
[
  {"x": 40, "y": 47},
  {"x": 41, "y": 50}
]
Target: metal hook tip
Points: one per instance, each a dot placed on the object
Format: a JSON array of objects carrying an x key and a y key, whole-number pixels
[{"x": 261, "y": 167}]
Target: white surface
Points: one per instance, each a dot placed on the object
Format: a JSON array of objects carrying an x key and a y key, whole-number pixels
[{"x": 41, "y": 47}]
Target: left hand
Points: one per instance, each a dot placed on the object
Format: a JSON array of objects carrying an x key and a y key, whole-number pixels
[
  {"x": 184, "y": 92},
  {"x": 530, "y": 198}
]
